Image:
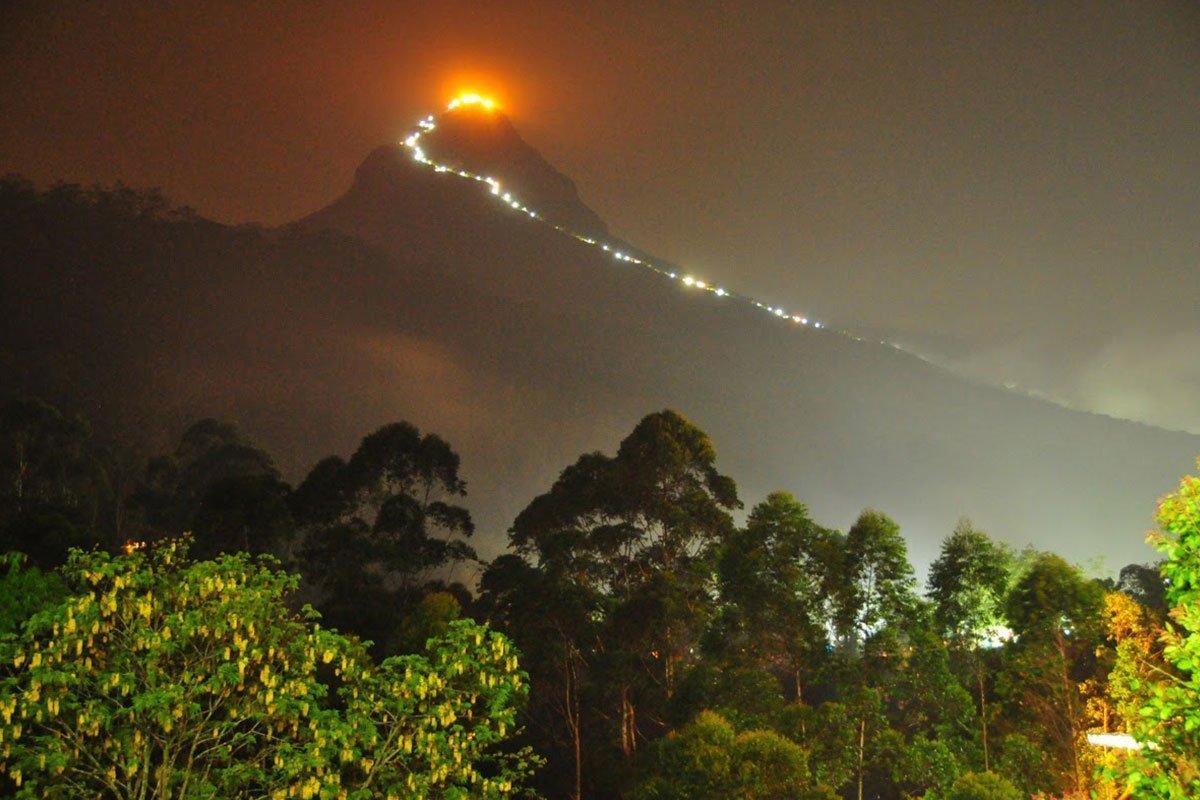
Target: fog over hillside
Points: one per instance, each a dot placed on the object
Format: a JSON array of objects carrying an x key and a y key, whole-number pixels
[{"x": 416, "y": 296}]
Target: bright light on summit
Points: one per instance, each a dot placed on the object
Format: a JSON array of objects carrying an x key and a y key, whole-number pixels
[{"x": 471, "y": 99}]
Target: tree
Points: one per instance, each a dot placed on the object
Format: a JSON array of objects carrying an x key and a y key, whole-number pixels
[
  {"x": 221, "y": 488},
  {"x": 878, "y": 583},
  {"x": 632, "y": 539},
  {"x": 380, "y": 528},
  {"x": 24, "y": 590},
  {"x": 1056, "y": 614},
  {"x": 983, "y": 786},
  {"x": 877, "y": 596},
  {"x": 1171, "y": 717},
  {"x": 968, "y": 585},
  {"x": 708, "y": 760},
  {"x": 55, "y": 492},
  {"x": 776, "y": 580},
  {"x": 159, "y": 677},
  {"x": 554, "y": 620},
  {"x": 1144, "y": 583}
]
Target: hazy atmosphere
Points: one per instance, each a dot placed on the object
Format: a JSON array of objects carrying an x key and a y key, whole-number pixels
[
  {"x": 1007, "y": 188},
  {"x": 606, "y": 401}
]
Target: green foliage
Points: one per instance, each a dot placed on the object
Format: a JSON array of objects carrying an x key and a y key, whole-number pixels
[
  {"x": 925, "y": 768},
  {"x": 160, "y": 677},
  {"x": 1049, "y": 669},
  {"x": 1171, "y": 716},
  {"x": 878, "y": 583},
  {"x": 745, "y": 695},
  {"x": 983, "y": 786},
  {"x": 967, "y": 584},
  {"x": 24, "y": 590},
  {"x": 708, "y": 760},
  {"x": 1026, "y": 764},
  {"x": 632, "y": 539},
  {"x": 777, "y": 579}
]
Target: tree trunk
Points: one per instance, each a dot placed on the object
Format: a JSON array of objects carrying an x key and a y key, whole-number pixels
[
  {"x": 862, "y": 745},
  {"x": 983, "y": 718},
  {"x": 1072, "y": 717},
  {"x": 574, "y": 722},
  {"x": 628, "y": 724}
]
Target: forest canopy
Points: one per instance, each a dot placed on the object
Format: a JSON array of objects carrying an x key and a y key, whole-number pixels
[{"x": 635, "y": 641}]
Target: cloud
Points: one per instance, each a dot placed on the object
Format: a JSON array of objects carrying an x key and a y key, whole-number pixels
[{"x": 1150, "y": 377}]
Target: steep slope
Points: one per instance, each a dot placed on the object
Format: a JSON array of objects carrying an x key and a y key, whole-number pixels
[{"x": 418, "y": 296}]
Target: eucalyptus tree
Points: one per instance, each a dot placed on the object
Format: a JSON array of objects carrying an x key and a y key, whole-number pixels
[
  {"x": 878, "y": 585},
  {"x": 877, "y": 599},
  {"x": 968, "y": 586},
  {"x": 637, "y": 532},
  {"x": 220, "y": 487},
  {"x": 777, "y": 583},
  {"x": 383, "y": 528}
]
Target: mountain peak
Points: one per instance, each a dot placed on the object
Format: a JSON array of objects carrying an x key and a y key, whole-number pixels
[{"x": 478, "y": 138}]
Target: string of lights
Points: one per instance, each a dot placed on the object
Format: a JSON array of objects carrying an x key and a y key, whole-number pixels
[{"x": 413, "y": 143}]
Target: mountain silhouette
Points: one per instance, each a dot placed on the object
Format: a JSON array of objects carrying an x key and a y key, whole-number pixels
[{"x": 416, "y": 295}]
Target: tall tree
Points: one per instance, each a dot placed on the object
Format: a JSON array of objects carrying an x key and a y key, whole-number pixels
[
  {"x": 877, "y": 597},
  {"x": 878, "y": 585},
  {"x": 382, "y": 529},
  {"x": 968, "y": 585},
  {"x": 776, "y": 580},
  {"x": 55, "y": 490},
  {"x": 1056, "y": 614},
  {"x": 639, "y": 530},
  {"x": 220, "y": 487}
]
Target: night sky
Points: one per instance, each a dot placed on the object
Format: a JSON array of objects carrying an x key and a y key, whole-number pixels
[{"x": 1012, "y": 189}]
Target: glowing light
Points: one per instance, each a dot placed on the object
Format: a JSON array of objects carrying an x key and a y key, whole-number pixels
[
  {"x": 471, "y": 99},
  {"x": 689, "y": 280},
  {"x": 701, "y": 285},
  {"x": 720, "y": 292}
]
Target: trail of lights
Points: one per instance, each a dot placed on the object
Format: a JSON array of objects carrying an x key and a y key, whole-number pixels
[{"x": 413, "y": 143}]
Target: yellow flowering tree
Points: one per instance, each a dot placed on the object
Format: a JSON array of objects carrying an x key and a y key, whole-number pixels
[{"x": 161, "y": 677}]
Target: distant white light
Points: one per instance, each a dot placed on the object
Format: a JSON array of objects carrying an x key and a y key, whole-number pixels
[
  {"x": 701, "y": 284},
  {"x": 720, "y": 292},
  {"x": 1120, "y": 741},
  {"x": 689, "y": 280},
  {"x": 779, "y": 312}
]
